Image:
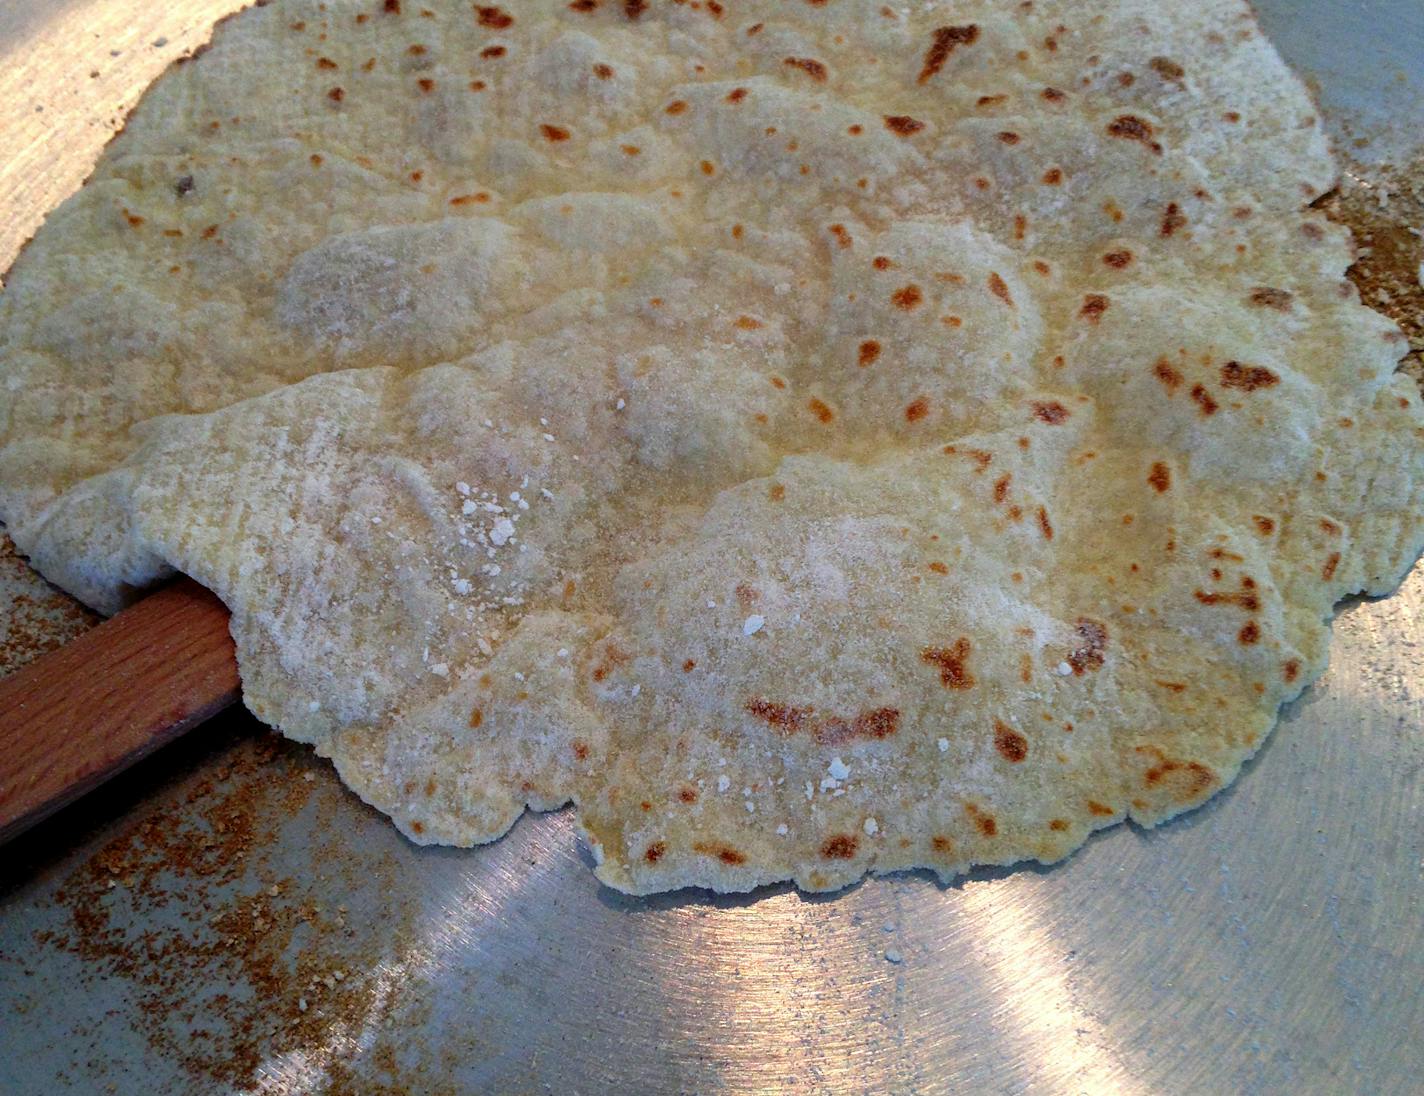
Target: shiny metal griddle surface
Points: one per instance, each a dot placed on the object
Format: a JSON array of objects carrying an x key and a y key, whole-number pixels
[{"x": 227, "y": 918}]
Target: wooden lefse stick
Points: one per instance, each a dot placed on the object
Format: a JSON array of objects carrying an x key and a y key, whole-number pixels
[{"x": 73, "y": 718}]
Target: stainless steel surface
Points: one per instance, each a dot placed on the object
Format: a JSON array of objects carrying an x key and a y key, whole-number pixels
[{"x": 185, "y": 931}]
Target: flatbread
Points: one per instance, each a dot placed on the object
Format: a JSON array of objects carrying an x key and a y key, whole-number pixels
[{"x": 814, "y": 438}]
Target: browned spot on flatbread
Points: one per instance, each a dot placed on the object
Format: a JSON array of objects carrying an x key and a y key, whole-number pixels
[
  {"x": 1129, "y": 127},
  {"x": 1011, "y": 745},
  {"x": 1171, "y": 379},
  {"x": 828, "y": 730},
  {"x": 1090, "y": 654},
  {"x": 1247, "y": 378},
  {"x": 1094, "y": 305},
  {"x": 809, "y": 65},
  {"x": 1166, "y": 68},
  {"x": 983, "y": 821},
  {"x": 902, "y": 125},
  {"x": 907, "y": 298},
  {"x": 723, "y": 852},
  {"x": 842, "y": 846},
  {"x": 953, "y": 674},
  {"x": 946, "y": 41}
]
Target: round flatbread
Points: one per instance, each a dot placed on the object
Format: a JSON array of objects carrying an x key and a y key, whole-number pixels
[{"x": 812, "y": 437}]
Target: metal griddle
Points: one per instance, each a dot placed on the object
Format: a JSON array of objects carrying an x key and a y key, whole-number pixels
[{"x": 227, "y": 917}]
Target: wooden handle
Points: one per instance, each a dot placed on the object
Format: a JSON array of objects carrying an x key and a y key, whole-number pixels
[{"x": 79, "y": 715}]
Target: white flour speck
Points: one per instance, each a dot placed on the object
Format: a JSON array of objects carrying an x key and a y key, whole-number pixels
[
  {"x": 752, "y": 625},
  {"x": 502, "y": 531}
]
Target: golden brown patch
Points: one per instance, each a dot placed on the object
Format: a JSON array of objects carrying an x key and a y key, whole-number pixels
[
  {"x": 1094, "y": 305},
  {"x": 832, "y": 730},
  {"x": 1000, "y": 289},
  {"x": 821, "y": 410},
  {"x": 724, "y": 853},
  {"x": 1118, "y": 260},
  {"x": 1172, "y": 219},
  {"x": 1264, "y": 296},
  {"x": 985, "y": 822},
  {"x": 946, "y": 40},
  {"x": 1051, "y": 412},
  {"x": 1195, "y": 778},
  {"x": 1250, "y": 633},
  {"x": 476, "y": 718},
  {"x": 1266, "y": 526},
  {"x": 840, "y": 847},
  {"x": 687, "y": 794},
  {"x": 655, "y": 851},
  {"x": 953, "y": 674},
  {"x": 494, "y": 17},
  {"x": 1328, "y": 571},
  {"x": 902, "y": 125},
  {"x": 1247, "y": 378},
  {"x": 811, "y": 67},
  {"x": 1090, "y": 654},
  {"x": 842, "y": 236},
  {"x": 869, "y": 351},
  {"x": 917, "y": 409},
  {"x": 1170, "y": 378},
  {"x": 907, "y": 298},
  {"x": 554, "y": 133},
  {"x": 1203, "y": 399},
  {"x": 1166, "y": 68},
  {"x": 1011, "y": 745},
  {"x": 942, "y": 845},
  {"x": 1244, "y": 599},
  {"x": 1160, "y": 477},
  {"x": 1057, "y": 824},
  {"x": 1290, "y": 670},
  {"x": 776, "y": 492},
  {"x": 1129, "y": 127},
  {"x": 1094, "y": 807},
  {"x": 938, "y": 568},
  {"x": 1044, "y": 525}
]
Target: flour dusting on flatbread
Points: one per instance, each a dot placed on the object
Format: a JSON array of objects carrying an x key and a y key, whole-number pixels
[{"x": 813, "y": 437}]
